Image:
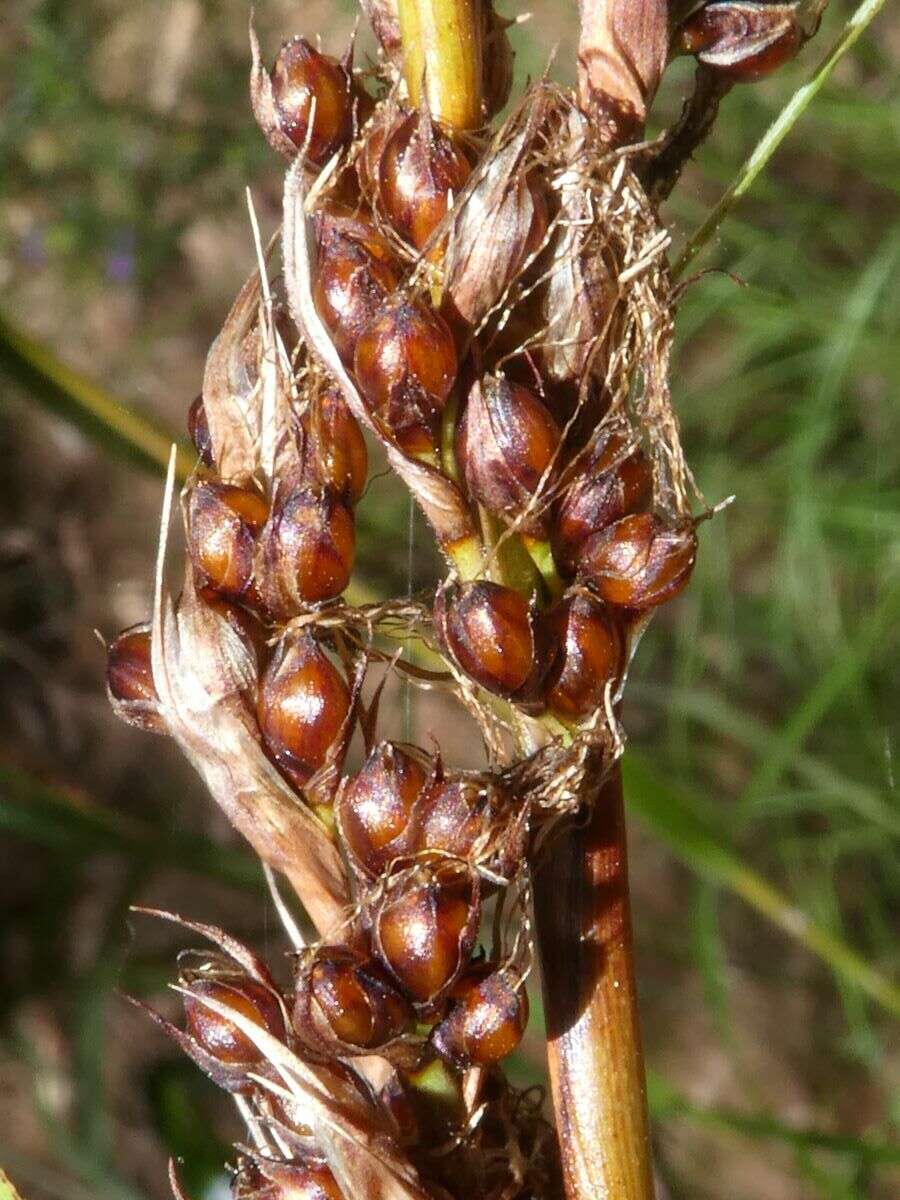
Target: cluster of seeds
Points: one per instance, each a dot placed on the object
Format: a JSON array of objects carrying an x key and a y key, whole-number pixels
[{"x": 494, "y": 311}]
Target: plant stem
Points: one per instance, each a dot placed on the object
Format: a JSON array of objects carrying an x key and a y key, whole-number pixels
[
  {"x": 596, "y": 1064},
  {"x": 442, "y": 54},
  {"x": 778, "y": 131}
]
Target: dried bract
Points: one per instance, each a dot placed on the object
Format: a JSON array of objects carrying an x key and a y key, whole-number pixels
[
  {"x": 621, "y": 57},
  {"x": 497, "y": 228}
]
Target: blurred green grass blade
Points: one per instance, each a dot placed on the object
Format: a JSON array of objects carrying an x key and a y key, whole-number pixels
[
  {"x": 7, "y": 1189},
  {"x": 84, "y": 404},
  {"x": 671, "y": 818},
  {"x": 102, "y": 417},
  {"x": 778, "y": 131},
  {"x": 845, "y": 669},
  {"x": 666, "y": 1103},
  {"x": 30, "y": 809},
  {"x": 713, "y": 711}
]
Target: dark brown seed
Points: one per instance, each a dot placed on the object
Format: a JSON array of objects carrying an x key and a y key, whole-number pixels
[
  {"x": 304, "y": 1177},
  {"x": 129, "y": 679},
  {"x": 347, "y": 998},
  {"x": 486, "y": 1019},
  {"x": 425, "y": 929},
  {"x": 302, "y": 76},
  {"x": 590, "y": 653},
  {"x": 337, "y": 446},
  {"x": 405, "y": 365},
  {"x": 223, "y": 524},
  {"x": 303, "y": 704},
  {"x": 356, "y": 273},
  {"x": 449, "y": 816},
  {"x": 198, "y": 432},
  {"x": 640, "y": 561},
  {"x": 505, "y": 443},
  {"x": 373, "y": 809},
  {"x": 309, "y": 546},
  {"x": 220, "y": 1037},
  {"x": 396, "y": 1099},
  {"x": 488, "y": 628},
  {"x": 742, "y": 40},
  {"x": 602, "y": 490},
  {"x": 420, "y": 168}
]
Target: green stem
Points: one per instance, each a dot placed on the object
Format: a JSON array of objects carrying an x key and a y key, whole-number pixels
[
  {"x": 778, "y": 131},
  {"x": 87, "y": 405},
  {"x": 442, "y": 58}
]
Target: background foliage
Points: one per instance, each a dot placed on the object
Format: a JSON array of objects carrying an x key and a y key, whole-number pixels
[{"x": 762, "y": 712}]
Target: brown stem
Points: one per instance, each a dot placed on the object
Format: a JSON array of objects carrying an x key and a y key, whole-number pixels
[
  {"x": 593, "y": 1037},
  {"x": 697, "y": 117}
]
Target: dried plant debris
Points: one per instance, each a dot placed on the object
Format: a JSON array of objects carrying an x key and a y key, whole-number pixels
[{"x": 494, "y": 309}]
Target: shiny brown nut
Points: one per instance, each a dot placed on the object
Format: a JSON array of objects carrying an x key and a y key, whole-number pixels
[
  {"x": 198, "y": 432},
  {"x": 506, "y": 443},
  {"x": 425, "y": 928},
  {"x": 223, "y": 524},
  {"x": 344, "y": 997},
  {"x": 303, "y": 1177},
  {"x": 355, "y": 274},
  {"x": 308, "y": 550},
  {"x": 311, "y": 87},
  {"x": 129, "y": 679},
  {"x": 639, "y": 562},
  {"x": 450, "y": 815},
  {"x": 373, "y": 809},
  {"x": 604, "y": 487},
  {"x": 419, "y": 170},
  {"x": 405, "y": 365},
  {"x": 589, "y": 656},
  {"x": 741, "y": 40},
  {"x": 490, "y": 632},
  {"x": 487, "y": 1015},
  {"x": 335, "y": 454},
  {"x": 302, "y": 706},
  {"x": 218, "y": 1036}
]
